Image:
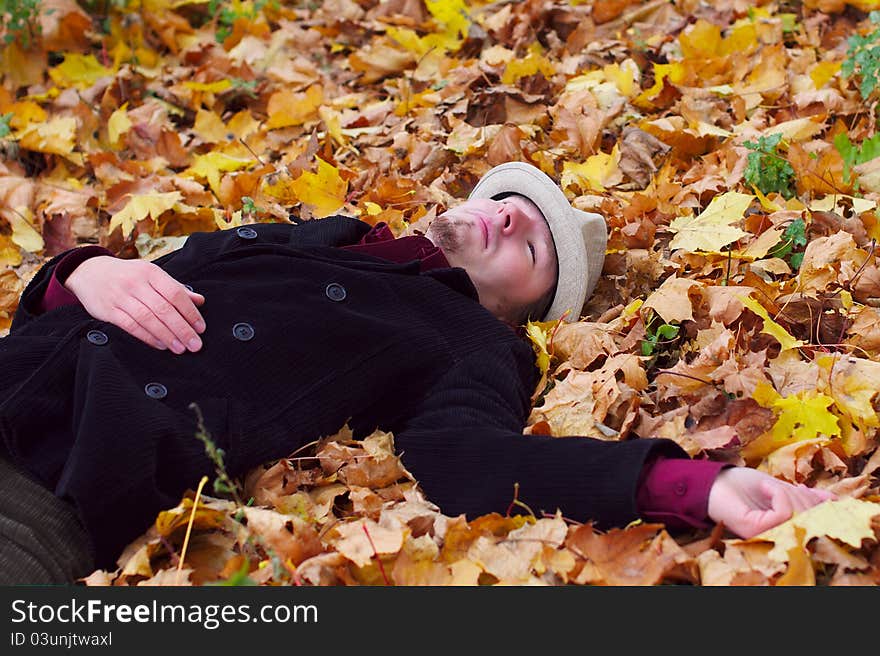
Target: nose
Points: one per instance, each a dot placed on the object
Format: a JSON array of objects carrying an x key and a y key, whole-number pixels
[{"x": 510, "y": 217}]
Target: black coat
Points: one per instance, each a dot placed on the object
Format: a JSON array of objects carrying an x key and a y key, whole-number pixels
[{"x": 301, "y": 337}]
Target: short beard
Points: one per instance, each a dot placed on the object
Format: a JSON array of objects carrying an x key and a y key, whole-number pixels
[{"x": 444, "y": 232}]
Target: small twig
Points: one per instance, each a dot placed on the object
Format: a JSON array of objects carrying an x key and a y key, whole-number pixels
[
  {"x": 257, "y": 157},
  {"x": 677, "y": 373},
  {"x": 517, "y": 502},
  {"x": 189, "y": 525}
]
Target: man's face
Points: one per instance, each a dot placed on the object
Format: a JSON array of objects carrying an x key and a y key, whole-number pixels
[{"x": 505, "y": 246}]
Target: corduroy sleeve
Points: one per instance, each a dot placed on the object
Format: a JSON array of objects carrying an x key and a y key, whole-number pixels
[{"x": 464, "y": 444}]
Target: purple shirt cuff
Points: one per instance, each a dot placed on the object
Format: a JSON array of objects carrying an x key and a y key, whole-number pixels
[
  {"x": 675, "y": 491},
  {"x": 57, "y": 295}
]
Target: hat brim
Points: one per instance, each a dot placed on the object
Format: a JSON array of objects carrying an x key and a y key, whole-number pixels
[{"x": 580, "y": 237}]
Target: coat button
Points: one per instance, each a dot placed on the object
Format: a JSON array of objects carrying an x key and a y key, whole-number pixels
[
  {"x": 680, "y": 489},
  {"x": 189, "y": 287},
  {"x": 243, "y": 331},
  {"x": 156, "y": 390},
  {"x": 97, "y": 338},
  {"x": 335, "y": 292},
  {"x": 246, "y": 233}
]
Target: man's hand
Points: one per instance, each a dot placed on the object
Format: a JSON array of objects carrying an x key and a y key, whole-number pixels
[
  {"x": 143, "y": 300},
  {"x": 749, "y": 502}
]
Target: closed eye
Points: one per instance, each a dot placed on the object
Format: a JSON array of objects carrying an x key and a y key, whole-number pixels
[{"x": 532, "y": 249}]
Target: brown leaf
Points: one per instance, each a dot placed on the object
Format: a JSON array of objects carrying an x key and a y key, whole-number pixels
[
  {"x": 637, "y": 152},
  {"x": 290, "y": 538},
  {"x": 641, "y": 555}
]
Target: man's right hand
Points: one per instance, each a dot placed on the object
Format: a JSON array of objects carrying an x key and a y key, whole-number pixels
[
  {"x": 143, "y": 300},
  {"x": 750, "y": 502}
]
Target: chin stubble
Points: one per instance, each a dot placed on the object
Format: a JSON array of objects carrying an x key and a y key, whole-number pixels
[{"x": 445, "y": 233}]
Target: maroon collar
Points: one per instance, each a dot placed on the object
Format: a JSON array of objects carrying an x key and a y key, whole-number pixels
[{"x": 380, "y": 242}]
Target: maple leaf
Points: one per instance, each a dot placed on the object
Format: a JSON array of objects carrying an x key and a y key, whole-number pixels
[
  {"x": 57, "y": 135},
  {"x": 118, "y": 124},
  {"x": 324, "y": 191},
  {"x": 80, "y": 71},
  {"x": 711, "y": 230},
  {"x": 598, "y": 172},
  {"x": 672, "y": 300},
  {"x": 802, "y": 416},
  {"x": 846, "y": 520},
  {"x": 142, "y": 206},
  {"x": 211, "y": 165},
  {"x": 24, "y": 234},
  {"x": 453, "y": 17}
]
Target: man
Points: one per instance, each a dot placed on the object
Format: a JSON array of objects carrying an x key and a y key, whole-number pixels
[{"x": 282, "y": 333}]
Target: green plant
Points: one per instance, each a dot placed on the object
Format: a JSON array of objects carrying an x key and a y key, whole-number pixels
[
  {"x": 223, "y": 484},
  {"x": 663, "y": 333},
  {"x": 230, "y": 12},
  {"x": 18, "y": 18},
  {"x": 863, "y": 58},
  {"x": 794, "y": 239},
  {"x": 853, "y": 154},
  {"x": 766, "y": 169},
  {"x": 4, "y": 124}
]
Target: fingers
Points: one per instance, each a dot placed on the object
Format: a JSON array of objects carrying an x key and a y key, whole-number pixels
[
  {"x": 196, "y": 298},
  {"x": 780, "y": 504},
  {"x": 132, "y": 327},
  {"x": 183, "y": 302},
  {"x": 161, "y": 322}
]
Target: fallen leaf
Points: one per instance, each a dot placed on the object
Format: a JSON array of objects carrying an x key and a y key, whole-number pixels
[
  {"x": 845, "y": 520},
  {"x": 711, "y": 229}
]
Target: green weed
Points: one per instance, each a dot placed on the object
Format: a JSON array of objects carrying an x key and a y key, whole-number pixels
[{"x": 766, "y": 169}]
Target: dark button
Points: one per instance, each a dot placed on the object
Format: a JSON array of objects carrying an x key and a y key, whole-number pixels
[
  {"x": 97, "y": 338},
  {"x": 335, "y": 292},
  {"x": 189, "y": 287},
  {"x": 680, "y": 489},
  {"x": 247, "y": 233},
  {"x": 243, "y": 331},
  {"x": 156, "y": 390}
]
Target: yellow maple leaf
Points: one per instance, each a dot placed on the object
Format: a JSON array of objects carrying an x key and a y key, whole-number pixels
[
  {"x": 57, "y": 136},
  {"x": 80, "y": 71},
  {"x": 324, "y": 192},
  {"x": 210, "y": 166},
  {"x": 804, "y": 416},
  {"x": 674, "y": 72},
  {"x": 24, "y": 113},
  {"x": 141, "y": 206},
  {"x": 454, "y": 21},
  {"x": 822, "y": 72},
  {"x": 847, "y": 520},
  {"x": 711, "y": 230},
  {"x": 853, "y": 383},
  {"x": 118, "y": 124},
  {"x": 24, "y": 235},
  {"x": 594, "y": 173},
  {"x": 209, "y": 127},
  {"x": 287, "y": 108},
  {"x": 785, "y": 339},
  {"x": 539, "y": 333},
  {"x": 702, "y": 39},
  {"x": 533, "y": 63}
]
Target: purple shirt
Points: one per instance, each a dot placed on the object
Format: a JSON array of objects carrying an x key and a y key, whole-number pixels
[{"x": 674, "y": 491}]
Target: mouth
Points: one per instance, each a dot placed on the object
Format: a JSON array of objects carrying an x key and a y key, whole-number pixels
[{"x": 485, "y": 230}]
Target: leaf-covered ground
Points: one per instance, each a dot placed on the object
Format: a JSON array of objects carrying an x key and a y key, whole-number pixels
[{"x": 731, "y": 146}]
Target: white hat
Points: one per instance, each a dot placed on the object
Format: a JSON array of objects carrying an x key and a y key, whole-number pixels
[{"x": 580, "y": 237}]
